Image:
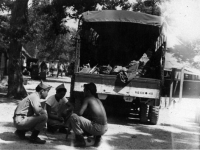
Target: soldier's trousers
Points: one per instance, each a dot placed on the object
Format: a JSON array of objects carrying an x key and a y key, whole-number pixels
[{"x": 30, "y": 122}]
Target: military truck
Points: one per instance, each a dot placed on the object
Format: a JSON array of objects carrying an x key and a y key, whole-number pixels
[{"x": 116, "y": 38}]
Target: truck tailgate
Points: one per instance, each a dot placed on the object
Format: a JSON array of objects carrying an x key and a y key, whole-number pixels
[{"x": 109, "y": 84}]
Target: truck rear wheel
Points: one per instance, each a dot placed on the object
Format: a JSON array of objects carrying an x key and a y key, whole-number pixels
[
  {"x": 154, "y": 114},
  {"x": 144, "y": 109}
]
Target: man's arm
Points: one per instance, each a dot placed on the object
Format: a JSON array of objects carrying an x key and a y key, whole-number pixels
[
  {"x": 69, "y": 106},
  {"x": 83, "y": 107},
  {"x": 36, "y": 105}
]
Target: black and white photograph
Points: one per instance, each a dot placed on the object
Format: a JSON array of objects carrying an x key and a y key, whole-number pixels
[{"x": 99, "y": 74}]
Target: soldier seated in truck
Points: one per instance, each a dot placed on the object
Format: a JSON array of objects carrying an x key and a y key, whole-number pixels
[{"x": 97, "y": 124}]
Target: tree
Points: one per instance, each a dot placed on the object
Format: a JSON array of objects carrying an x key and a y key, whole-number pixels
[
  {"x": 4, "y": 28},
  {"x": 88, "y": 5},
  {"x": 18, "y": 28},
  {"x": 47, "y": 30},
  {"x": 4, "y": 24},
  {"x": 5, "y": 5},
  {"x": 114, "y": 4},
  {"x": 187, "y": 52},
  {"x": 148, "y": 6}
]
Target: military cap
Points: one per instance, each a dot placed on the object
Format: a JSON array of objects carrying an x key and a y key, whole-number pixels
[
  {"x": 62, "y": 86},
  {"x": 44, "y": 86}
]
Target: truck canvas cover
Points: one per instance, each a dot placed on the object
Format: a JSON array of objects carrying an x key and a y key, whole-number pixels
[{"x": 122, "y": 16}]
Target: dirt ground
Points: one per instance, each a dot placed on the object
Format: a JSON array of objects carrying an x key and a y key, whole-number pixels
[{"x": 176, "y": 128}]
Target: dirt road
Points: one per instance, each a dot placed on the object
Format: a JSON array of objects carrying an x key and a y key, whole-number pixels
[{"x": 176, "y": 128}]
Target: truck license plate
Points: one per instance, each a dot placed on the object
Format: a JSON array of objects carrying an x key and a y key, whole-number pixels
[{"x": 128, "y": 99}]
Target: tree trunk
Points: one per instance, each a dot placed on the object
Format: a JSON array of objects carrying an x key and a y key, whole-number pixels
[{"x": 17, "y": 25}]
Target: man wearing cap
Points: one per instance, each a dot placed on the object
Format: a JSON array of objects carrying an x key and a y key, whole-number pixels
[
  {"x": 59, "y": 110},
  {"x": 30, "y": 116},
  {"x": 97, "y": 124}
]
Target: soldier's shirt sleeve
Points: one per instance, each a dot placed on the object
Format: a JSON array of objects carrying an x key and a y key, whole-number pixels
[
  {"x": 35, "y": 102},
  {"x": 49, "y": 101}
]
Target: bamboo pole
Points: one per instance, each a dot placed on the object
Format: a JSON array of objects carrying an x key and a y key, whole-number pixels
[
  {"x": 171, "y": 86},
  {"x": 181, "y": 84}
]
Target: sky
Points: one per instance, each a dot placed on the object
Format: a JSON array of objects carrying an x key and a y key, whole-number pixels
[{"x": 183, "y": 18}]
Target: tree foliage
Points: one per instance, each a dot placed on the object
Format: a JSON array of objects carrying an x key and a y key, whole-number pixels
[
  {"x": 148, "y": 6},
  {"x": 4, "y": 29},
  {"x": 188, "y": 52},
  {"x": 47, "y": 27},
  {"x": 80, "y": 6},
  {"x": 47, "y": 30},
  {"x": 6, "y": 5}
]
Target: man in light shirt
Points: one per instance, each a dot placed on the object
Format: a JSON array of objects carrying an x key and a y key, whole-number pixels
[
  {"x": 30, "y": 115},
  {"x": 59, "y": 110}
]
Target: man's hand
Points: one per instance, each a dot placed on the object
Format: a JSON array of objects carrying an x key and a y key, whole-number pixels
[
  {"x": 61, "y": 119},
  {"x": 42, "y": 111}
]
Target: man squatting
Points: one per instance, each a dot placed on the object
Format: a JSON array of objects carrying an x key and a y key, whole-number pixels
[
  {"x": 30, "y": 115},
  {"x": 97, "y": 124}
]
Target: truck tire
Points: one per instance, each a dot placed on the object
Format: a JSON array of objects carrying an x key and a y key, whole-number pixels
[
  {"x": 154, "y": 114},
  {"x": 144, "y": 109}
]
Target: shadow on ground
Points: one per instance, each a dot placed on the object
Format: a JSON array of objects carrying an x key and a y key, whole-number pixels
[
  {"x": 5, "y": 99},
  {"x": 125, "y": 132},
  {"x": 138, "y": 137},
  {"x": 162, "y": 136}
]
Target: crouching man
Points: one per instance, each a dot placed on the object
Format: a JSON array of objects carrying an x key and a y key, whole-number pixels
[
  {"x": 59, "y": 110},
  {"x": 30, "y": 116},
  {"x": 97, "y": 125}
]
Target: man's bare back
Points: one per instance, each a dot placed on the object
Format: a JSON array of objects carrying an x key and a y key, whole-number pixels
[{"x": 96, "y": 110}]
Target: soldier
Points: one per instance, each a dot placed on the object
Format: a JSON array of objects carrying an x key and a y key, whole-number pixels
[
  {"x": 59, "y": 110},
  {"x": 30, "y": 116},
  {"x": 97, "y": 125}
]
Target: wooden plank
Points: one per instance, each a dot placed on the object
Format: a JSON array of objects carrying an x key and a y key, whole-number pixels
[
  {"x": 122, "y": 91},
  {"x": 112, "y": 80}
]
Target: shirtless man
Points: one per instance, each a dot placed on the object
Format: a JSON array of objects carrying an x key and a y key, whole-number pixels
[{"x": 97, "y": 125}]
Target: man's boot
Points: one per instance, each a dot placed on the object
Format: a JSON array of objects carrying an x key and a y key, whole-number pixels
[
  {"x": 21, "y": 134},
  {"x": 52, "y": 129},
  {"x": 80, "y": 142},
  {"x": 35, "y": 139},
  {"x": 63, "y": 130},
  {"x": 97, "y": 141}
]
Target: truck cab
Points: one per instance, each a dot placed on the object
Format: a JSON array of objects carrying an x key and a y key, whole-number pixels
[{"x": 111, "y": 40}]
